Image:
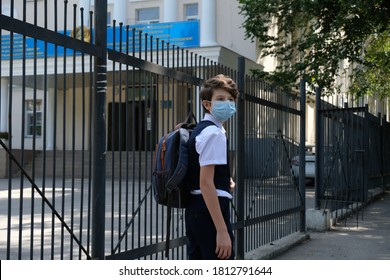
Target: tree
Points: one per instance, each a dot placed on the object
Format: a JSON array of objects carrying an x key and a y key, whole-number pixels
[
  {"x": 313, "y": 36},
  {"x": 373, "y": 78}
]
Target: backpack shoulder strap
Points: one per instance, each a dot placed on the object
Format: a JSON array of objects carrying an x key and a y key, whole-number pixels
[
  {"x": 190, "y": 116},
  {"x": 168, "y": 236}
]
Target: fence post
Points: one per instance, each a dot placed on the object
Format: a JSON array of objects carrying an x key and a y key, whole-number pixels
[
  {"x": 99, "y": 133},
  {"x": 318, "y": 181},
  {"x": 302, "y": 152},
  {"x": 366, "y": 145},
  {"x": 382, "y": 150},
  {"x": 240, "y": 180}
]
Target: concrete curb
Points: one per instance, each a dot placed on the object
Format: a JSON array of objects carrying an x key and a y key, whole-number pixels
[
  {"x": 323, "y": 219},
  {"x": 278, "y": 247},
  {"x": 342, "y": 214}
]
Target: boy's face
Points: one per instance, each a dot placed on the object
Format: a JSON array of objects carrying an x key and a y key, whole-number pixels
[{"x": 218, "y": 95}]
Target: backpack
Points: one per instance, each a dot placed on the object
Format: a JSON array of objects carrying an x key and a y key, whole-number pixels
[
  {"x": 170, "y": 166},
  {"x": 170, "y": 169}
]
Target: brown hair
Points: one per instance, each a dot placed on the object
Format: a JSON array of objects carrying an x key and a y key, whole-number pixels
[{"x": 218, "y": 82}]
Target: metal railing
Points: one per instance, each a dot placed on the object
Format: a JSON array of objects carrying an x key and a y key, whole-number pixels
[{"x": 350, "y": 156}]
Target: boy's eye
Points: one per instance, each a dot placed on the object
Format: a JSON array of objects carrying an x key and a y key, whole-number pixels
[{"x": 224, "y": 99}]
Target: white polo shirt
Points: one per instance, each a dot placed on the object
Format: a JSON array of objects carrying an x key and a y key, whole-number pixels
[{"x": 210, "y": 144}]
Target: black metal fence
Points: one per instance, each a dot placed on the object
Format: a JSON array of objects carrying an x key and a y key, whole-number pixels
[
  {"x": 82, "y": 124},
  {"x": 351, "y": 156}
]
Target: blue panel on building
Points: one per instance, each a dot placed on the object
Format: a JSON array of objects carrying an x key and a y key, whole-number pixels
[
  {"x": 184, "y": 34},
  {"x": 32, "y": 47}
]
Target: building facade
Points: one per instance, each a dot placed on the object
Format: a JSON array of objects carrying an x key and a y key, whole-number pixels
[{"x": 217, "y": 27}]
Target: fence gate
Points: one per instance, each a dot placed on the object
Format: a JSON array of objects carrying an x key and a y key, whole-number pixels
[
  {"x": 341, "y": 150},
  {"x": 47, "y": 76},
  {"x": 349, "y": 156},
  {"x": 273, "y": 125}
]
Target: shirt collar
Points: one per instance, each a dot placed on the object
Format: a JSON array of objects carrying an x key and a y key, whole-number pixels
[{"x": 210, "y": 117}]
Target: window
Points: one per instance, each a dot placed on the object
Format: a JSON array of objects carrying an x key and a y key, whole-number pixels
[
  {"x": 191, "y": 11},
  {"x": 33, "y": 122},
  {"x": 148, "y": 15},
  {"x": 6, "y": 10},
  {"x": 109, "y": 19}
]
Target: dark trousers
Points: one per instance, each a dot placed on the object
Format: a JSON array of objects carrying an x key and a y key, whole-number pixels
[{"x": 200, "y": 228}]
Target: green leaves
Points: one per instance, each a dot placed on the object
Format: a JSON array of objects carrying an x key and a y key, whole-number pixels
[
  {"x": 373, "y": 75},
  {"x": 310, "y": 37}
]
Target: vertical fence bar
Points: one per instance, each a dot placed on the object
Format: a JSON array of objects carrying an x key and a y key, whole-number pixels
[
  {"x": 10, "y": 146},
  {"x": 133, "y": 135},
  {"x": 366, "y": 143},
  {"x": 241, "y": 157},
  {"x": 153, "y": 128},
  {"x": 99, "y": 133},
  {"x": 73, "y": 133},
  {"x": 302, "y": 143},
  {"x": 64, "y": 157},
  {"x": 128, "y": 133},
  {"x": 82, "y": 189},
  {"x": 382, "y": 150},
  {"x": 318, "y": 182},
  {"x": 22, "y": 142},
  {"x": 55, "y": 119},
  {"x": 111, "y": 136},
  {"x": 90, "y": 139},
  {"x": 34, "y": 140},
  {"x": 45, "y": 90},
  {"x": 119, "y": 134}
]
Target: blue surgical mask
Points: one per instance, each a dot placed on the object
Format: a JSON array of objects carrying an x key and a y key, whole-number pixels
[{"x": 223, "y": 110}]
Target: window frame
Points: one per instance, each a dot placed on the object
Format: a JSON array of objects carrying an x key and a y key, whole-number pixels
[
  {"x": 190, "y": 17},
  {"x": 147, "y": 21},
  {"x": 33, "y": 123}
]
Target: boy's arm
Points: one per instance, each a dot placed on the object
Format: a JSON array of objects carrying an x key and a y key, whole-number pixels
[{"x": 224, "y": 245}]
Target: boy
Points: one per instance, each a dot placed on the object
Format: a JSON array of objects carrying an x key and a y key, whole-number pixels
[{"x": 208, "y": 225}]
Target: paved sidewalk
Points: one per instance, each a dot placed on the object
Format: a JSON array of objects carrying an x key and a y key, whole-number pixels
[{"x": 362, "y": 237}]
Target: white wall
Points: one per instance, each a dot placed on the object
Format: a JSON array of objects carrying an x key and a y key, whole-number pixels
[{"x": 230, "y": 33}]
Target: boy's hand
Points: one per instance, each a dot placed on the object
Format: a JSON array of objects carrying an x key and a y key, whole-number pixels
[
  {"x": 232, "y": 184},
  {"x": 224, "y": 245}
]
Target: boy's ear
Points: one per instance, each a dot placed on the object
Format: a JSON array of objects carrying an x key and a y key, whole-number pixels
[{"x": 207, "y": 105}]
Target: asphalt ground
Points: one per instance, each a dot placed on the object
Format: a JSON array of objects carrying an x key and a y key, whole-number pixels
[{"x": 364, "y": 235}]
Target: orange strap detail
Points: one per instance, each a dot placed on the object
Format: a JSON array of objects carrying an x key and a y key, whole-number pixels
[{"x": 163, "y": 149}]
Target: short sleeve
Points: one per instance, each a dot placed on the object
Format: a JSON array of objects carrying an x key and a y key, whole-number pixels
[{"x": 211, "y": 146}]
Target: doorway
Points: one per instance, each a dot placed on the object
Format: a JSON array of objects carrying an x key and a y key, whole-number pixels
[{"x": 129, "y": 126}]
